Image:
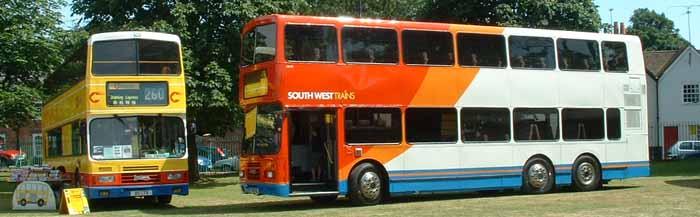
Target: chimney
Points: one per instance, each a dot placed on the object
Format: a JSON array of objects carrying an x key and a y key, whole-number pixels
[
  {"x": 616, "y": 28},
  {"x": 623, "y": 30}
]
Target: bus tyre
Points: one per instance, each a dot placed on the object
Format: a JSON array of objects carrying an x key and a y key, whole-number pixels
[
  {"x": 324, "y": 199},
  {"x": 366, "y": 187},
  {"x": 586, "y": 174},
  {"x": 40, "y": 202},
  {"x": 23, "y": 202},
  {"x": 538, "y": 176},
  {"x": 164, "y": 199}
]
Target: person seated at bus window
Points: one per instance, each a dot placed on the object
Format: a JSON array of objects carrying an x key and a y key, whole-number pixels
[
  {"x": 564, "y": 63},
  {"x": 424, "y": 58},
  {"x": 475, "y": 59},
  {"x": 519, "y": 62},
  {"x": 370, "y": 55},
  {"x": 586, "y": 64},
  {"x": 541, "y": 63},
  {"x": 315, "y": 54},
  {"x": 451, "y": 58},
  {"x": 165, "y": 70}
]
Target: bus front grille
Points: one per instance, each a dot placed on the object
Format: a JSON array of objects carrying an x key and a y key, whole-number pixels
[
  {"x": 140, "y": 178},
  {"x": 139, "y": 168}
]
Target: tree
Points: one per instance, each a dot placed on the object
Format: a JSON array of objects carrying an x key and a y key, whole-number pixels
[
  {"x": 28, "y": 46},
  {"x": 655, "y": 30},
  {"x": 577, "y": 15},
  {"x": 29, "y": 51}
]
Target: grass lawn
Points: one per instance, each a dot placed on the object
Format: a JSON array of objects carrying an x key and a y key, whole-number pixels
[{"x": 674, "y": 190}]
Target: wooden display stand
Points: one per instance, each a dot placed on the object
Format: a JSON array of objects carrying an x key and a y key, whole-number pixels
[{"x": 74, "y": 202}]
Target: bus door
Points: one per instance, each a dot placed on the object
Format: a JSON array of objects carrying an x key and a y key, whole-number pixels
[{"x": 312, "y": 138}]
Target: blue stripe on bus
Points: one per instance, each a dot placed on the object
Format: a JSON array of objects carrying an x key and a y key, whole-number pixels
[
  {"x": 466, "y": 182},
  {"x": 266, "y": 189}
]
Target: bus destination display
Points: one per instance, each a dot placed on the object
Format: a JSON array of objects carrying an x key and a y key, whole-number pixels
[{"x": 137, "y": 93}]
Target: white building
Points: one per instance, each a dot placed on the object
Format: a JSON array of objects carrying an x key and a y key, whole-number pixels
[{"x": 673, "y": 97}]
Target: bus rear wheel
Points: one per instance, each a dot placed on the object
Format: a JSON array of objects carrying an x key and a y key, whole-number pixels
[
  {"x": 366, "y": 185},
  {"x": 538, "y": 176},
  {"x": 586, "y": 174}
]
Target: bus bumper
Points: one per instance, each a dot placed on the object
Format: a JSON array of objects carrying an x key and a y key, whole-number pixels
[
  {"x": 266, "y": 189},
  {"x": 137, "y": 190}
]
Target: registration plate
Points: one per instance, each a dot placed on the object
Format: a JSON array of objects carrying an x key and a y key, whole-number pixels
[{"x": 141, "y": 193}]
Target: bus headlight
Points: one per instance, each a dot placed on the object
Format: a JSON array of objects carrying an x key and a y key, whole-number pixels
[
  {"x": 106, "y": 179},
  {"x": 174, "y": 176},
  {"x": 270, "y": 174}
]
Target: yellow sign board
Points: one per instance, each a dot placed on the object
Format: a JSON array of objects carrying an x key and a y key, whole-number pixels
[
  {"x": 251, "y": 122},
  {"x": 255, "y": 84},
  {"x": 74, "y": 202}
]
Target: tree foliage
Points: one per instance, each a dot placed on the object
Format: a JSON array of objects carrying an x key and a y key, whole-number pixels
[
  {"x": 28, "y": 46},
  {"x": 577, "y": 15},
  {"x": 29, "y": 50},
  {"x": 656, "y": 31}
]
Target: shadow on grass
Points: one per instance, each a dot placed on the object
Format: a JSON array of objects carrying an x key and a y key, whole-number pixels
[
  {"x": 297, "y": 205},
  {"x": 688, "y": 183}
]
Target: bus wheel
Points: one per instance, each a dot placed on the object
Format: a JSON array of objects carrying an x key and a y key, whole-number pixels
[
  {"x": 23, "y": 202},
  {"x": 40, "y": 202},
  {"x": 538, "y": 176},
  {"x": 164, "y": 199},
  {"x": 366, "y": 185},
  {"x": 586, "y": 174},
  {"x": 324, "y": 199}
]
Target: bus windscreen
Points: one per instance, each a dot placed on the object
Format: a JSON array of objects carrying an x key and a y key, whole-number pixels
[{"x": 137, "y": 137}]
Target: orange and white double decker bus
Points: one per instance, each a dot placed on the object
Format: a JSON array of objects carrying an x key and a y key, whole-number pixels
[
  {"x": 372, "y": 108},
  {"x": 120, "y": 131}
]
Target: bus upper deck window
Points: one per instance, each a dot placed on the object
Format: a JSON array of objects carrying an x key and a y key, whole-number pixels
[
  {"x": 481, "y": 50},
  {"x": 427, "y": 48},
  {"x": 370, "y": 45},
  {"x": 575, "y": 54},
  {"x": 135, "y": 56},
  {"x": 158, "y": 57},
  {"x": 259, "y": 45},
  {"x": 615, "y": 57},
  {"x": 531, "y": 52},
  {"x": 310, "y": 43}
]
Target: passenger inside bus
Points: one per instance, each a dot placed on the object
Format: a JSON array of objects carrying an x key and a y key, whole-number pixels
[
  {"x": 370, "y": 55},
  {"x": 424, "y": 57},
  {"x": 307, "y": 137}
]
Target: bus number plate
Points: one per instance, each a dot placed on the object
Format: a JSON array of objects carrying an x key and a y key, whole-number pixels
[
  {"x": 137, "y": 93},
  {"x": 141, "y": 193}
]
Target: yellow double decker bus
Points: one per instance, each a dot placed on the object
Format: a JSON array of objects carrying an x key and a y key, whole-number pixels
[{"x": 120, "y": 132}]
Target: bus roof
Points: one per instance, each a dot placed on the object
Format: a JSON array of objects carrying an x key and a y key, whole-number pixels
[
  {"x": 351, "y": 21},
  {"x": 108, "y": 36}
]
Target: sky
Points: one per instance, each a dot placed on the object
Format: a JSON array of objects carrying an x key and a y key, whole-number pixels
[{"x": 622, "y": 10}]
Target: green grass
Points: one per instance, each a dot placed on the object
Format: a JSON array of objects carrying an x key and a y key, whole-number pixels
[{"x": 674, "y": 189}]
